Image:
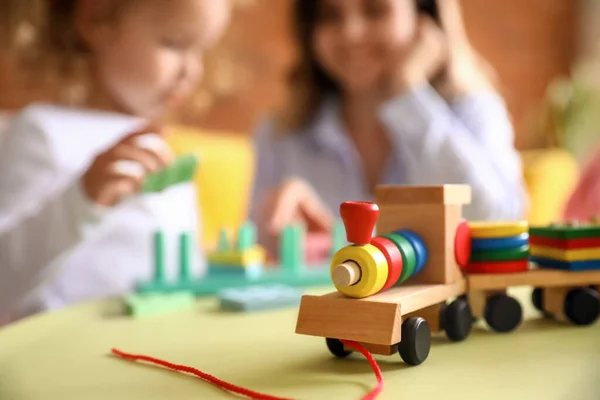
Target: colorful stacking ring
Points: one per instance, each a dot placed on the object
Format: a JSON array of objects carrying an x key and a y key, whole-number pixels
[
  {"x": 418, "y": 246},
  {"x": 409, "y": 258},
  {"x": 501, "y": 243},
  {"x": 518, "y": 253},
  {"x": 500, "y": 267},
  {"x": 487, "y": 230},
  {"x": 393, "y": 257},
  {"x": 373, "y": 266}
]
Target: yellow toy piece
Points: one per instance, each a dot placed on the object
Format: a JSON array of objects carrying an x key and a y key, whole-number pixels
[
  {"x": 252, "y": 256},
  {"x": 489, "y": 229},
  {"x": 373, "y": 265},
  {"x": 565, "y": 255}
]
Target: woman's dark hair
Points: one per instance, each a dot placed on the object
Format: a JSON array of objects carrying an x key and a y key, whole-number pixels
[{"x": 308, "y": 82}]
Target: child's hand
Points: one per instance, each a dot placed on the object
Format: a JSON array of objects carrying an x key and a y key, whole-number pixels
[
  {"x": 120, "y": 171},
  {"x": 295, "y": 201},
  {"x": 425, "y": 60}
]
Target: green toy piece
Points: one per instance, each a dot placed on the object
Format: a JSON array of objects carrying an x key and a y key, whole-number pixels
[
  {"x": 145, "y": 305},
  {"x": 185, "y": 243},
  {"x": 223, "y": 241},
  {"x": 291, "y": 252},
  {"x": 246, "y": 237},
  {"x": 159, "y": 256},
  {"x": 183, "y": 169}
]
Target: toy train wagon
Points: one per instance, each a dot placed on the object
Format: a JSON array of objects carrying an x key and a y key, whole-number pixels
[{"x": 427, "y": 270}]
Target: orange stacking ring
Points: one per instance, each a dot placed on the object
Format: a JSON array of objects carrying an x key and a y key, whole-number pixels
[
  {"x": 393, "y": 257},
  {"x": 373, "y": 267}
]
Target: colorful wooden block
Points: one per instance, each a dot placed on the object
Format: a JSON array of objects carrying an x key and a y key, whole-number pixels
[
  {"x": 566, "y": 255},
  {"x": 588, "y": 265},
  {"x": 260, "y": 297},
  {"x": 566, "y": 244},
  {"x": 565, "y": 231}
]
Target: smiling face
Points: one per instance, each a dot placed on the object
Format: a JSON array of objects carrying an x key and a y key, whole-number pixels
[
  {"x": 355, "y": 41},
  {"x": 151, "y": 58}
]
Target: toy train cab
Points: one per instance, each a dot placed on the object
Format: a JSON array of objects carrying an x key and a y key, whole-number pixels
[
  {"x": 393, "y": 288},
  {"x": 427, "y": 270}
]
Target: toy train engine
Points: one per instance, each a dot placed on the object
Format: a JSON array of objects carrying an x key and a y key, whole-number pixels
[
  {"x": 393, "y": 288},
  {"x": 374, "y": 264}
]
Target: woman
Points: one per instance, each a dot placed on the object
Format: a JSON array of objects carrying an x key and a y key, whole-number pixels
[{"x": 383, "y": 95}]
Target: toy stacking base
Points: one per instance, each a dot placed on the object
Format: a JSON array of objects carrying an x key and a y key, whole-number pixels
[{"x": 314, "y": 276}]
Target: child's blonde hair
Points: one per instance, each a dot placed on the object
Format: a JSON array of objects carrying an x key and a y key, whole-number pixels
[{"x": 42, "y": 40}]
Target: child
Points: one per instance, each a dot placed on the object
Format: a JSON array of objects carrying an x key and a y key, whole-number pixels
[
  {"x": 382, "y": 95},
  {"x": 72, "y": 225}
]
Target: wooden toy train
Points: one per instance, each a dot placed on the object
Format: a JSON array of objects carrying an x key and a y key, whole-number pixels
[{"x": 393, "y": 289}]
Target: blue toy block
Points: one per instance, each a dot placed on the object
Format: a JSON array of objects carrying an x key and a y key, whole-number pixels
[
  {"x": 587, "y": 265},
  {"x": 504, "y": 243},
  {"x": 223, "y": 270},
  {"x": 259, "y": 297}
]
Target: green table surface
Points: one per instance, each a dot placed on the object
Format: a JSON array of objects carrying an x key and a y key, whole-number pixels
[{"x": 65, "y": 355}]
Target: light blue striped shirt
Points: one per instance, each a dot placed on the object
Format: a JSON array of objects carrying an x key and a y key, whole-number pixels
[{"x": 467, "y": 142}]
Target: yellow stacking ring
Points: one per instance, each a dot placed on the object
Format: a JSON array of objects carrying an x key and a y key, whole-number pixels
[
  {"x": 489, "y": 229},
  {"x": 373, "y": 266}
]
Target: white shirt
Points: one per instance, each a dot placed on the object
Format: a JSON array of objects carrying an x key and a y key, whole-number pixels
[
  {"x": 56, "y": 247},
  {"x": 469, "y": 141}
]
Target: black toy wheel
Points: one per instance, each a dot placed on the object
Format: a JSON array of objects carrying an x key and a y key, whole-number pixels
[
  {"x": 416, "y": 341},
  {"x": 582, "y": 306},
  {"x": 336, "y": 347},
  {"x": 457, "y": 320},
  {"x": 503, "y": 313},
  {"x": 537, "y": 298}
]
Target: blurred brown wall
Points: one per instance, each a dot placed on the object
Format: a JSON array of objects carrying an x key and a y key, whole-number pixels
[{"x": 529, "y": 42}]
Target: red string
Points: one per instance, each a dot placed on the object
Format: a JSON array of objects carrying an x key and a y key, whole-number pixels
[{"x": 250, "y": 394}]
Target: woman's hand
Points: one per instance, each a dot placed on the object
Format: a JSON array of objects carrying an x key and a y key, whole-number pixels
[
  {"x": 425, "y": 59},
  {"x": 294, "y": 202},
  {"x": 465, "y": 71},
  {"x": 120, "y": 171}
]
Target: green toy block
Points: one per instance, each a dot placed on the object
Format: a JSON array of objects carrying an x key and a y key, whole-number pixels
[
  {"x": 144, "y": 305},
  {"x": 292, "y": 249},
  {"x": 223, "y": 241},
  {"x": 159, "y": 256},
  {"x": 183, "y": 169},
  {"x": 185, "y": 247},
  {"x": 563, "y": 231},
  {"x": 246, "y": 236}
]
